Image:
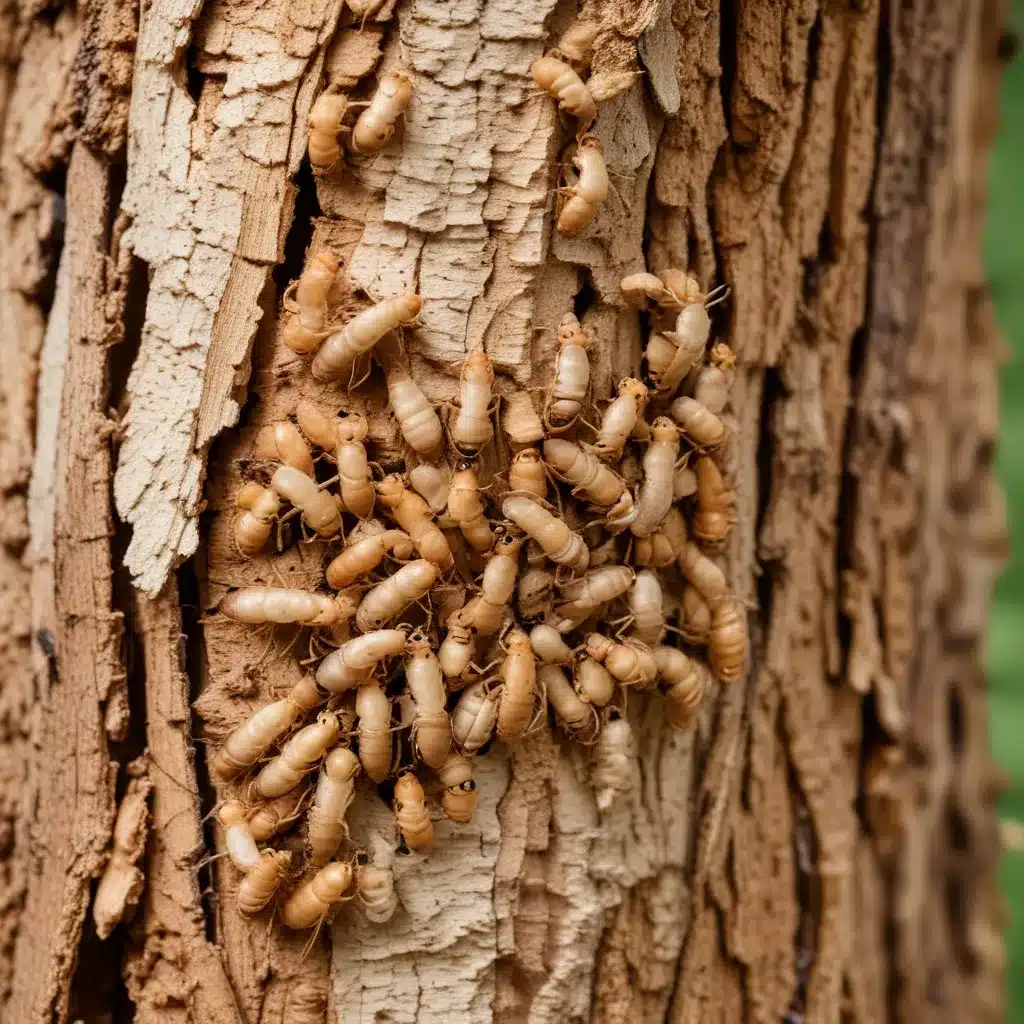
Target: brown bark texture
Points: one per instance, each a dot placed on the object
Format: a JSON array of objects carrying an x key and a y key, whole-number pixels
[{"x": 822, "y": 847}]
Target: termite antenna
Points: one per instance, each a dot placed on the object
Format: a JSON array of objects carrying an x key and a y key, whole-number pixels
[{"x": 717, "y": 295}]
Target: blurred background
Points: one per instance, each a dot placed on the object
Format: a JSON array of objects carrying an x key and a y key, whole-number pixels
[{"x": 1005, "y": 257}]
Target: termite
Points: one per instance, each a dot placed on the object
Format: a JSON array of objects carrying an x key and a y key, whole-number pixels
[
  {"x": 519, "y": 685},
  {"x": 558, "y": 542},
  {"x": 715, "y": 513},
  {"x": 642, "y": 289},
  {"x": 620, "y": 419},
  {"x": 413, "y": 515},
  {"x": 686, "y": 684},
  {"x": 472, "y": 429},
  {"x": 325, "y": 118},
  {"x": 353, "y": 467},
  {"x": 338, "y": 354},
  {"x": 703, "y": 573},
  {"x": 411, "y": 812},
  {"x": 520, "y": 420},
  {"x": 727, "y": 639},
  {"x": 361, "y": 558},
  {"x": 485, "y": 613},
  {"x": 417, "y": 417},
  {"x": 466, "y": 508},
  {"x": 665, "y": 545},
  {"x": 562, "y": 83},
  {"x": 276, "y": 815},
  {"x": 395, "y": 594},
  {"x": 298, "y": 757},
  {"x": 351, "y": 664},
  {"x": 714, "y": 381},
  {"x": 526, "y": 472},
  {"x": 586, "y": 595},
  {"x": 305, "y": 328},
  {"x": 579, "y": 718},
  {"x": 630, "y": 661},
  {"x": 694, "y": 617},
  {"x": 373, "y": 728},
  {"x": 254, "y": 526},
  {"x": 244, "y": 745},
  {"x": 590, "y": 190},
  {"x": 548, "y": 645},
  {"x": 698, "y": 424},
  {"x": 592, "y": 681},
  {"x": 432, "y": 483},
  {"x": 376, "y": 124},
  {"x": 257, "y": 889},
  {"x": 655, "y": 497},
  {"x": 645, "y": 604},
  {"x": 459, "y": 799},
  {"x": 576, "y": 44},
  {"x": 238, "y": 838},
  {"x": 534, "y": 594},
  {"x": 375, "y": 891},
  {"x": 616, "y": 762},
  {"x": 312, "y": 900},
  {"x": 672, "y": 354},
  {"x": 565, "y": 397},
  {"x": 319, "y": 509},
  {"x": 456, "y": 651},
  {"x": 258, "y": 605},
  {"x": 588, "y": 475},
  {"x": 282, "y": 442},
  {"x": 431, "y": 728},
  {"x": 335, "y": 790},
  {"x": 474, "y": 717}
]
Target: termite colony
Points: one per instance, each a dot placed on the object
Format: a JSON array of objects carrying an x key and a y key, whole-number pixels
[{"x": 460, "y": 603}]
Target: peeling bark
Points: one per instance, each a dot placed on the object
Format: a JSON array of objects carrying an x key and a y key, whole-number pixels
[{"x": 822, "y": 846}]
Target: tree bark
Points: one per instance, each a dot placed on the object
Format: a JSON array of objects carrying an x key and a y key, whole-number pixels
[{"x": 823, "y": 846}]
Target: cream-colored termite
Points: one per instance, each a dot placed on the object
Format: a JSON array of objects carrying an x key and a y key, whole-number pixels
[
  {"x": 472, "y": 428},
  {"x": 245, "y": 744},
  {"x": 353, "y": 466},
  {"x": 306, "y": 326},
  {"x": 616, "y": 766},
  {"x": 474, "y": 717},
  {"x": 589, "y": 477},
  {"x": 585, "y": 197},
  {"x": 715, "y": 514},
  {"x": 694, "y": 617},
  {"x": 621, "y": 418},
  {"x": 485, "y": 613},
  {"x": 686, "y": 685},
  {"x": 644, "y": 289},
  {"x": 335, "y": 791},
  {"x": 238, "y": 837},
  {"x": 522, "y": 424},
  {"x": 576, "y": 44},
  {"x": 672, "y": 354},
  {"x": 282, "y": 442},
  {"x": 431, "y": 728},
  {"x": 579, "y": 718},
  {"x": 395, "y": 594},
  {"x": 727, "y": 639},
  {"x": 352, "y": 663},
  {"x": 456, "y": 651},
  {"x": 376, "y": 124},
  {"x": 565, "y": 397},
  {"x": 714, "y": 381},
  {"x": 698, "y": 424},
  {"x": 257, "y": 889},
  {"x": 527, "y": 473},
  {"x": 586, "y": 595},
  {"x": 703, "y": 573},
  {"x": 281, "y": 605},
  {"x": 413, "y": 515},
  {"x": 548, "y": 645},
  {"x": 562, "y": 83},
  {"x": 303, "y": 751},
  {"x": 375, "y": 891},
  {"x": 411, "y": 812},
  {"x": 592, "y": 681},
  {"x": 534, "y": 593},
  {"x": 273, "y": 816},
  {"x": 373, "y": 728},
  {"x": 432, "y": 484},
  {"x": 518, "y": 687},
  {"x": 466, "y": 508},
  {"x": 417, "y": 418},
  {"x": 325, "y": 125},
  {"x": 646, "y": 603},
  {"x": 655, "y": 496},
  {"x": 319, "y": 510},
  {"x": 665, "y": 545},
  {"x": 558, "y": 542},
  {"x": 629, "y": 661},
  {"x": 460, "y": 796},
  {"x": 312, "y": 900},
  {"x": 358, "y": 560},
  {"x": 254, "y": 526},
  {"x": 337, "y": 357}
]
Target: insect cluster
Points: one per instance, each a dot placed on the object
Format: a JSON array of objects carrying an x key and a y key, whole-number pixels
[{"x": 461, "y": 603}]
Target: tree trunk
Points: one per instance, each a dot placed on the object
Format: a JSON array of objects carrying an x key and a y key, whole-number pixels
[{"x": 822, "y": 846}]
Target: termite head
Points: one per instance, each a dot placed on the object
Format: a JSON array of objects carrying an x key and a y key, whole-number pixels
[
  {"x": 347, "y": 604},
  {"x": 507, "y": 542},
  {"x": 325, "y": 263},
  {"x": 589, "y": 140},
  {"x": 633, "y": 387},
  {"x": 722, "y": 356},
  {"x": 418, "y": 642},
  {"x": 352, "y": 426},
  {"x": 478, "y": 362},
  {"x": 570, "y": 331},
  {"x": 682, "y": 285},
  {"x": 597, "y": 646},
  {"x": 390, "y": 489},
  {"x": 663, "y": 429}
]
